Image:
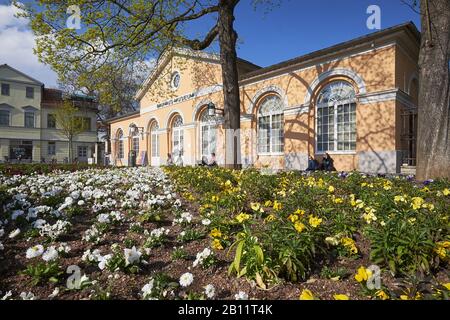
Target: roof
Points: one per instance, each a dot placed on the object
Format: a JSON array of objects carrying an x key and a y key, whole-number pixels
[
  {"x": 123, "y": 117},
  {"x": 22, "y": 74},
  {"x": 408, "y": 26}
]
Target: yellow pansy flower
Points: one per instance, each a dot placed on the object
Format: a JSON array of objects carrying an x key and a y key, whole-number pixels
[
  {"x": 215, "y": 233},
  {"x": 417, "y": 203},
  {"x": 331, "y": 189},
  {"x": 256, "y": 206},
  {"x": 215, "y": 199},
  {"x": 299, "y": 226},
  {"x": 216, "y": 244},
  {"x": 441, "y": 252},
  {"x": 363, "y": 274},
  {"x": 307, "y": 295},
  {"x": 382, "y": 295},
  {"x": 270, "y": 218},
  {"x": 314, "y": 221},
  {"x": 268, "y": 203},
  {"x": 277, "y": 205},
  {"x": 300, "y": 212},
  {"x": 446, "y": 285},
  {"x": 338, "y": 200},
  {"x": 341, "y": 297},
  {"x": 446, "y": 192},
  {"x": 293, "y": 218},
  {"x": 350, "y": 244},
  {"x": 404, "y": 297},
  {"x": 242, "y": 217}
]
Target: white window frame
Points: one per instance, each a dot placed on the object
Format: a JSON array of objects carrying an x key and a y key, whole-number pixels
[
  {"x": 271, "y": 116},
  {"x": 120, "y": 145},
  {"x": 154, "y": 140},
  {"x": 177, "y": 136},
  {"x": 211, "y": 133},
  {"x": 335, "y": 104},
  {"x": 135, "y": 144}
]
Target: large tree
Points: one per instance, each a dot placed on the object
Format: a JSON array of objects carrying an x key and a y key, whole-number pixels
[
  {"x": 129, "y": 31},
  {"x": 433, "y": 143}
]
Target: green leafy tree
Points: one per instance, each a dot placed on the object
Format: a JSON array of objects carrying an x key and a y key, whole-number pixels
[{"x": 70, "y": 123}]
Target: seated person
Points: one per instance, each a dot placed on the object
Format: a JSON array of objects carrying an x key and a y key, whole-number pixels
[
  {"x": 204, "y": 161},
  {"x": 313, "y": 165},
  {"x": 213, "y": 161},
  {"x": 169, "y": 160},
  {"x": 328, "y": 163}
]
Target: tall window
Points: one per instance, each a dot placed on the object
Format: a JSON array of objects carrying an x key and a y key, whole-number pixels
[
  {"x": 29, "y": 119},
  {"x": 51, "y": 121},
  {"x": 208, "y": 134},
  {"x": 136, "y": 144},
  {"x": 82, "y": 152},
  {"x": 270, "y": 125},
  {"x": 4, "y": 118},
  {"x": 5, "y": 89},
  {"x": 29, "y": 92},
  {"x": 154, "y": 137},
  {"x": 51, "y": 148},
  {"x": 86, "y": 123},
  {"x": 336, "y": 118},
  {"x": 120, "y": 153},
  {"x": 177, "y": 136}
]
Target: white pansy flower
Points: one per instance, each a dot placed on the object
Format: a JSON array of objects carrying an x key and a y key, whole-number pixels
[
  {"x": 241, "y": 296},
  {"x": 14, "y": 233},
  {"x": 186, "y": 279},
  {"x": 132, "y": 255},
  {"x": 34, "y": 251},
  {"x": 210, "y": 291},
  {"x": 50, "y": 254}
]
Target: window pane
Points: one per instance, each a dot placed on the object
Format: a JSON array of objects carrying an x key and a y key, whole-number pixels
[
  {"x": 29, "y": 119},
  {"x": 4, "y": 118},
  {"x": 51, "y": 121},
  {"x": 30, "y": 92},
  {"x": 51, "y": 148},
  {"x": 5, "y": 89}
]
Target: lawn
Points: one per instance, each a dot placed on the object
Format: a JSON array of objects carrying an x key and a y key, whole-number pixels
[{"x": 198, "y": 233}]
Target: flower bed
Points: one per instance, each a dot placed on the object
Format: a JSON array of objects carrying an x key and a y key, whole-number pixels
[{"x": 196, "y": 233}]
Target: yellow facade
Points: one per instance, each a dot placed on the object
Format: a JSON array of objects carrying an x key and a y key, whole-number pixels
[{"x": 380, "y": 69}]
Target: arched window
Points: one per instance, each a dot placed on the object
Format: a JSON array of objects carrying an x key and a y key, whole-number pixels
[
  {"x": 134, "y": 138},
  {"x": 119, "y": 145},
  {"x": 154, "y": 137},
  {"x": 208, "y": 134},
  {"x": 177, "y": 136},
  {"x": 336, "y": 118},
  {"x": 270, "y": 125}
]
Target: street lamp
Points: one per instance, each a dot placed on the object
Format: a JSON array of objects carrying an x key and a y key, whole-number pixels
[{"x": 212, "y": 110}]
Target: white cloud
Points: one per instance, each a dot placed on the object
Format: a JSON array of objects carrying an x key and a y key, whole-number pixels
[{"x": 17, "y": 42}]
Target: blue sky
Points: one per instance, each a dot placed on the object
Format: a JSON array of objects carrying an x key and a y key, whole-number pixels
[{"x": 294, "y": 28}]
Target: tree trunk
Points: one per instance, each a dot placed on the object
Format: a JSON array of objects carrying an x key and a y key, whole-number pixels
[
  {"x": 70, "y": 151},
  {"x": 433, "y": 144},
  {"x": 228, "y": 59}
]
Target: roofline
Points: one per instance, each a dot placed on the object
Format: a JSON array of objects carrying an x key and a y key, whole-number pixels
[
  {"x": 167, "y": 54},
  {"x": 21, "y": 73},
  {"x": 343, "y": 45},
  {"x": 129, "y": 115}
]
